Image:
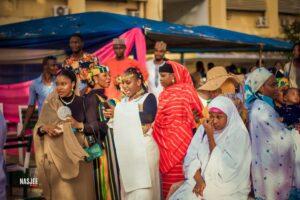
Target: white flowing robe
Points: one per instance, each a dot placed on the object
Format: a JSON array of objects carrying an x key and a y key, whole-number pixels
[
  {"x": 272, "y": 153},
  {"x": 226, "y": 171},
  {"x": 137, "y": 154}
]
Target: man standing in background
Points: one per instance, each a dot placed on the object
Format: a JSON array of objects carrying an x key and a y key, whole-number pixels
[
  {"x": 118, "y": 65},
  {"x": 153, "y": 65},
  {"x": 291, "y": 71},
  {"x": 40, "y": 88}
]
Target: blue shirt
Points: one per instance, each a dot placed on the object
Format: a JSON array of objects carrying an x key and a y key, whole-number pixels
[{"x": 38, "y": 91}]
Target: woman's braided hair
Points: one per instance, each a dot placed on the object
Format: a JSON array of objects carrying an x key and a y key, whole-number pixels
[{"x": 138, "y": 75}]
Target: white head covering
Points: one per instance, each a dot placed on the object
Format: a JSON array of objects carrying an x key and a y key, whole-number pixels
[
  {"x": 226, "y": 170},
  {"x": 257, "y": 78},
  {"x": 254, "y": 82},
  {"x": 235, "y": 124}
]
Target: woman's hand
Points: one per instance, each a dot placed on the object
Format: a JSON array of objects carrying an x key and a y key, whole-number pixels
[
  {"x": 199, "y": 188},
  {"x": 209, "y": 129},
  {"x": 297, "y": 127},
  {"x": 196, "y": 116},
  {"x": 173, "y": 188},
  {"x": 51, "y": 130},
  {"x": 109, "y": 113}
]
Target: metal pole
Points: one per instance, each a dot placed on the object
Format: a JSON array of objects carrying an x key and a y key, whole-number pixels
[
  {"x": 182, "y": 58},
  {"x": 261, "y": 46}
]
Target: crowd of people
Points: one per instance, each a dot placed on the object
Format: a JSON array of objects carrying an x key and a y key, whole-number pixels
[{"x": 118, "y": 130}]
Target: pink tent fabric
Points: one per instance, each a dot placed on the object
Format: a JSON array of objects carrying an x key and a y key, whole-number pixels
[
  {"x": 13, "y": 95},
  {"x": 134, "y": 37}
]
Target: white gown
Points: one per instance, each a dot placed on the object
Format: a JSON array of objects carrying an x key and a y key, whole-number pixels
[
  {"x": 226, "y": 171},
  {"x": 137, "y": 155},
  {"x": 272, "y": 153}
]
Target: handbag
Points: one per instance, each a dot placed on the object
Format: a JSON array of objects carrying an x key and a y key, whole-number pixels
[{"x": 94, "y": 152}]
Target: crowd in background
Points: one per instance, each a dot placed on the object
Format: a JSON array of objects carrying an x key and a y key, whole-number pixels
[{"x": 121, "y": 130}]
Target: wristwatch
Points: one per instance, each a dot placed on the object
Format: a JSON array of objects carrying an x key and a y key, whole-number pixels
[{"x": 41, "y": 132}]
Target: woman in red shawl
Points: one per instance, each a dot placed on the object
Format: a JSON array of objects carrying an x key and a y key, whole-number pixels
[{"x": 178, "y": 106}]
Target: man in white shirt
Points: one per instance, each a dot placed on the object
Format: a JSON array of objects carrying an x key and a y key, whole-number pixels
[
  {"x": 290, "y": 69},
  {"x": 154, "y": 85}
]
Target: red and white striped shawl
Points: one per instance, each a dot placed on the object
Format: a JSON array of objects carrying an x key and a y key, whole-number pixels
[{"x": 174, "y": 121}]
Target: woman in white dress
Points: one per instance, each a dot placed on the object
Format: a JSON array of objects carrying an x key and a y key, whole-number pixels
[
  {"x": 273, "y": 146},
  {"x": 217, "y": 165},
  {"x": 137, "y": 152}
]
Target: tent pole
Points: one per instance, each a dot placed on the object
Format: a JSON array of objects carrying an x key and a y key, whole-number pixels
[
  {"x": 260, "y": 54},
  {"x": 182, "y": 58}
]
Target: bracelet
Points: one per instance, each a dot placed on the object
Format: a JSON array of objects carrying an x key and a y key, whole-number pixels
[{"x": 41, "y": 132}]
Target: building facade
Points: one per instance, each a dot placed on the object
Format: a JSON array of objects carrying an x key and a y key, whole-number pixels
[
  {"x": 260, "y": 17},
  {"x": 12, "y": 11}
]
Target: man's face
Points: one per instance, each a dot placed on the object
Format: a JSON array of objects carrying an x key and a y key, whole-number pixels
[
  {"x": 119, "y": 50},
  {"x": 76, "y": 44},
  {"x": 159, "y": 53},
  {"x": 51, "y": 67}
]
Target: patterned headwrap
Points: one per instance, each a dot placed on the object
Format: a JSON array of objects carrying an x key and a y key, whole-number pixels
[
  {"x": 282, "y": 82},
  {"x": 253, "y": 83},
  {"x": 97, "y": 70}
]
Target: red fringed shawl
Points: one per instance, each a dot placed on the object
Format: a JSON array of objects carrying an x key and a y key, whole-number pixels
[{"x": 174, "y": 120}]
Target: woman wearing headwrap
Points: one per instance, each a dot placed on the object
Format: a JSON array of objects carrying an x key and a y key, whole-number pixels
[
  {"x": 215, "y": 166},
  {"x": 59, "y": 144},
  {"x": 178, "y": 107},
  {"x": 273, "y": 145},
  {"x": 96, "y": 104},
  {"x": 137, "y": 152}
]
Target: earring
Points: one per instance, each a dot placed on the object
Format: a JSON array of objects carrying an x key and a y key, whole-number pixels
[{"x": 173, "y": 80}]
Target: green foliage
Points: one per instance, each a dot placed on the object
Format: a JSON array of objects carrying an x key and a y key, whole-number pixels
[{"x": 292, "y": 31}]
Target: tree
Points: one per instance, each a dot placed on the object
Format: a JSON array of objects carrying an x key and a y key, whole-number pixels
[{"x": 292, "y": 31}]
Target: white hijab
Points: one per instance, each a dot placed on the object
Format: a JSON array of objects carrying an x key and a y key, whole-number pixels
[{"x": 226, "y": 170}]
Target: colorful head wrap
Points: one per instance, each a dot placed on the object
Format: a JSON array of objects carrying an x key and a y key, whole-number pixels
[{"x": 282, "y": 82}]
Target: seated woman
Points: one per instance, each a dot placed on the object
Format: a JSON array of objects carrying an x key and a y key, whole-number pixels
[
  {"x": 215, "y": 166},
  {"x": 59, "y": 142},
  {"x": 137, "y": 152},
  {"x": 273, "y": 146}
]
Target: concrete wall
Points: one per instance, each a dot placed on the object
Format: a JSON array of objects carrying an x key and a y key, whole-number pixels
[
  {"x": 187, "y": 12},
  {"x": 22, "y": 10}
]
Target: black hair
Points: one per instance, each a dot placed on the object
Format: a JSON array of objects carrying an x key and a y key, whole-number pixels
[
  {"x": 199, "y": 66},
  {"x": 210, "y": 65},
  {"x": 296, "y": 44},
  {"x": 69, "y": 74},
  {"x": 138, "y": 75},
  {"x": 45, "y": 59},
  {"x": 232, "y": 69},
  {"x": 77, "y": 35},
  {"x": 257, "y": 63}
]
